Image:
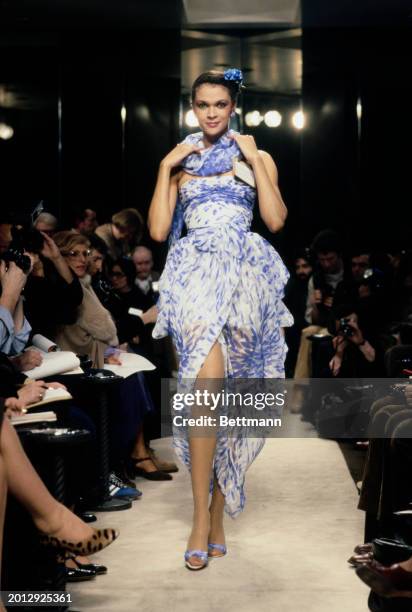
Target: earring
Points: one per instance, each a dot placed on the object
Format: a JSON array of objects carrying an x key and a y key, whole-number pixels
[{"x": 232, "y": 114}]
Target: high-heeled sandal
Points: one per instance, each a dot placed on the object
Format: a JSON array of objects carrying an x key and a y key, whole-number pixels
[
  {"x": 200, "y": 554},
  {"x": 220, "y": 547},
  {"x": 99, "y": 540},
  {"x": 391, "y": 581}
]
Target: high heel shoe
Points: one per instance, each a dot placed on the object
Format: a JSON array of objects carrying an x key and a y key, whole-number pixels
[
  {"x": 220, "y": 547},
  {"x": 200, "y": 554},
  {"x": 99, "y": 540},
  {"x": 391, "y": 581}
]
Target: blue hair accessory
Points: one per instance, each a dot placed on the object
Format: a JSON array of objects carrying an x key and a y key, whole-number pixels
[{"x": 233, "y": 74}]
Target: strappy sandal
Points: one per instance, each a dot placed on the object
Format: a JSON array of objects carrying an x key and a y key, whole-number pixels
[
  {"x": 200, "y": 554},
  {"x": 220, "y": 547}
]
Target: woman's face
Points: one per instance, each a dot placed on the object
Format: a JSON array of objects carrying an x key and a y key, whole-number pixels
[
  {"x": 213, "y": 107},
  {"x": 77, "y": 259},
  {"x": 118, "y": 279}
]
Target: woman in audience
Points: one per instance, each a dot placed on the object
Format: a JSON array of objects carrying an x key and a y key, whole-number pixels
[
  {"x": 94, "y": 333},
  {"x": 58, "y": 526}
]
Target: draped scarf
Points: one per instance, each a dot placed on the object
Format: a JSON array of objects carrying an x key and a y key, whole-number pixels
[{"x": 213, "y": 160}]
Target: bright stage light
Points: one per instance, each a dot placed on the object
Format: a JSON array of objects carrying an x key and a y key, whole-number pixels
[
  {"x": 253, "y": 118},
  {"x": 298, "y": 120},
  {"x": 273, "y": 119},
  {"x": 6, "y": 131}
]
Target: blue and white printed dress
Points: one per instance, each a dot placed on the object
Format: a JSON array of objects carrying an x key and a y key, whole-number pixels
[{"x": 223, "y": 283}]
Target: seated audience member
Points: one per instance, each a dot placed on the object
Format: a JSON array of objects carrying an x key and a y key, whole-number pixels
[
  {"x": 123, "y": 233},
  {"x": 296, "y": 292},
  {"x": 145, "y": 275},
  {"x": 356, "y": 343},
  {"x": 85, "y": 222},
  {"x": 57, "y": 525},
  {"x": 52, "y": 293},
  {"x": 98, "y": 254},
  {"x": 14, "y": 327},
  {"x": 327, "y": 274},
  {"x": 46, "y": 223},
  {"x": 131, "y": 328},
  {"x": 94, "y": 333}
]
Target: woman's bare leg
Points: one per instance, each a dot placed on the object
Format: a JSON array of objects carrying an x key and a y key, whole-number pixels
[
  {"x": 24, "y": 483},
  {"x": 216, "y": 509},
  {"x": 202, "y": 450}
]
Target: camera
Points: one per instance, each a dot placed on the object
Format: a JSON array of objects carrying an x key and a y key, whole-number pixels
[
  {"x": 23, "y": 240},
  {"x": 374, "y": 279},
  {"x": 345, "y": 328}
]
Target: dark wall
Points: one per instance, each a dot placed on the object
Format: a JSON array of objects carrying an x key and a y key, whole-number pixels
[
  {"x": 356, "y": 178},
  {"x": 70, "y": 147}
]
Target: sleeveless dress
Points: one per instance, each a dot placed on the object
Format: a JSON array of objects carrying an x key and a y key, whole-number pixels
[{"x": 223, "y": 283}]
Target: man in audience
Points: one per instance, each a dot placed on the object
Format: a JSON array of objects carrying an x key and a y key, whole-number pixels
[
  {"x": 46, "y": 223},
  {"x": 123, "y": 233},
  {"x": 86, "y": 222},
  {"x": 328, "y": 273},
  {"x": 145, "y": 275}
]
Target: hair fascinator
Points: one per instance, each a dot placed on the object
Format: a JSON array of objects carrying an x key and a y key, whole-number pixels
[{"x": 233, "y": 74}]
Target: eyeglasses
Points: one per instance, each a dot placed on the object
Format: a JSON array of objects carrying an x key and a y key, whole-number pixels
[
  {"x": 117, "y": 274},
  {"x": 77, "y": 254}
]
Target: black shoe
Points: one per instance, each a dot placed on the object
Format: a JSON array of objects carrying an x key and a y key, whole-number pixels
[
  {"x": 88, "y": 517},
  {"x": 78, "y": 575},
  {"x": 156, "y": 475},
  {"x": 94, "y": 567}
]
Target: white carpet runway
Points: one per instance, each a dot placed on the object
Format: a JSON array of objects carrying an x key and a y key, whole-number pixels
[{"x": 287, "y": 552}]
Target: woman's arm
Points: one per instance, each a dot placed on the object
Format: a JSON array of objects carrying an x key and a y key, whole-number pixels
[
  {"x": 164, "y": 198},
  {"x": 271, "y": 205},
  {"x": 163, "y": 203},
  {"x": 51, "y": 251}
]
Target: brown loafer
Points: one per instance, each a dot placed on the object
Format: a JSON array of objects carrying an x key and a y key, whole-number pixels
[{"x": 163, "y": 466}]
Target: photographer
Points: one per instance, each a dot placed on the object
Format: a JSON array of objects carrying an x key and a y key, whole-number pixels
[
  {"x": 328, "y": 273},
  {"x": 356, "y": 353},
  {"x": 14, "y": 328},
  {"x": 52, "y": 293}
]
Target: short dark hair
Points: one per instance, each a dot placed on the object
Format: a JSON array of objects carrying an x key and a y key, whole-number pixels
[
  {"x": 217, "y": 77},
  {"x": 127, "y": 267},
  {"x": 327, "y": 241}
]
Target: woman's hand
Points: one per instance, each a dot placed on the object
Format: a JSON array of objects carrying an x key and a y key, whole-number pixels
[
  {"x": 32, "y": 392},
  {"x": 150, "y": 316},
  {"x": 247, "y": 145},
  {"x": 56, "y": 385},
  {"x": 113, "y": 360},
  {"x": 28, "y": 360},
  {"x": 14, "y": 406},
  {"x": 335, "y": 364},
  {"x": 50, "y": 249},
  {"x": 178, "y": 154}
]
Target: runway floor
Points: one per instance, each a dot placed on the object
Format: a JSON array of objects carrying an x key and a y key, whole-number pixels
[{"x": 286, "y": 553}]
